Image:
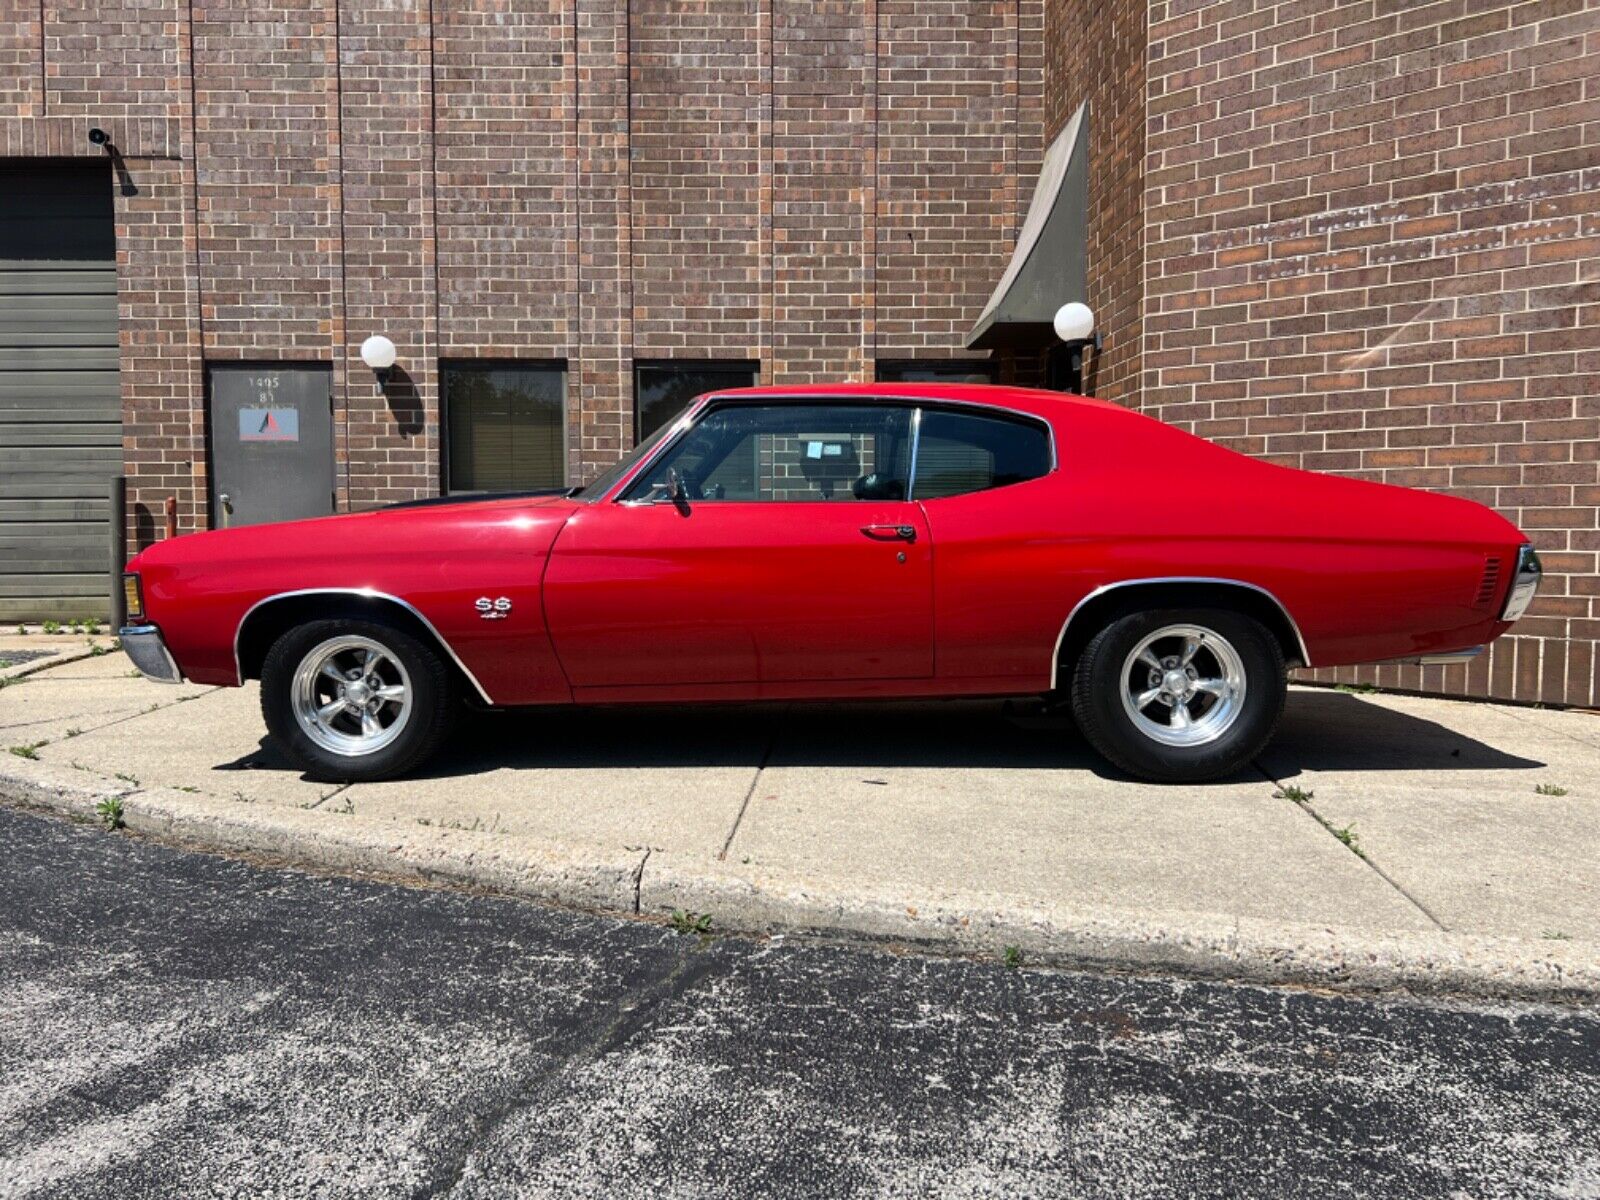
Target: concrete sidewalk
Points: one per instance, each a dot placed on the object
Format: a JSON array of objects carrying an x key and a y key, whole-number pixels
[{"x": 1384, "y": 840}]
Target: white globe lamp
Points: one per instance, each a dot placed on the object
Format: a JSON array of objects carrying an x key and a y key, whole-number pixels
[
  {"x": 1074, "y": 322},
  {"x": 378, "y": 352}
]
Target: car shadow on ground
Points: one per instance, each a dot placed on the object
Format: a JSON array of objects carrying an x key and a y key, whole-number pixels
[
  {"x": 1340, "y": 731},
  {"x": 1321, "y": 731}
]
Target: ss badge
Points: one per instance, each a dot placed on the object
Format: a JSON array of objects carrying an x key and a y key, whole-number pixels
[{"x": 493, "y": 610}]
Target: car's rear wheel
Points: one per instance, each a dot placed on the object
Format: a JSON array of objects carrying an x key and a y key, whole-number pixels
[
  {"x": 353, "y": 700},
  {"x": 1179, "y": 696}
]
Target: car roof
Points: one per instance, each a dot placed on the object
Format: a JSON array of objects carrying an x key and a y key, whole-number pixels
[{"x": 1035, "y": 401}]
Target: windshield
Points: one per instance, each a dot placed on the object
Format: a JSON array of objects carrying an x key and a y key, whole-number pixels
[{"x": 607, "y": 478}]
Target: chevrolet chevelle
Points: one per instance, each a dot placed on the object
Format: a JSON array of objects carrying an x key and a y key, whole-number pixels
[{"x": 843, "y": 542}]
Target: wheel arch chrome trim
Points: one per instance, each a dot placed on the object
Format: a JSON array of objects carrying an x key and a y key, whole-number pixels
[
  {"x": 1156, "y": 580},
  {"x": 365, "y": 594}
]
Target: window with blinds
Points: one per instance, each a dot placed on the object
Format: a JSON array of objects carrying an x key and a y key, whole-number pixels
[
  {"x": 663, "y": 389},
  {"x": 506, "y": 426}
]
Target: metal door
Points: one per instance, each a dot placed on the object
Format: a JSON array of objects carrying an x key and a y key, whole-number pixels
[
  {"x": 60, "y": 404},
  {"x": 271, "y": 443}
]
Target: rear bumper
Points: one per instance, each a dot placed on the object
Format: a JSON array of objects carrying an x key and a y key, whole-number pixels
[
  {"x": 1524, "y": 585},
  {"x": 149, "y": 653}
]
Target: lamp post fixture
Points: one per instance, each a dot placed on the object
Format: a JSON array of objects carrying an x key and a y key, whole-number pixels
[
  {"x": 378, "y": 352},
  {"x": 1074, "y": 325}
]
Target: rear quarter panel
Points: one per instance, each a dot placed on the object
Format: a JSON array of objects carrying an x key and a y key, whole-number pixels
[{"x": 1366, "y": 571}]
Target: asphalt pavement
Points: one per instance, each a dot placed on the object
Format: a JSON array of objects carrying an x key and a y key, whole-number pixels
[{"x": 182, "y": 1024}]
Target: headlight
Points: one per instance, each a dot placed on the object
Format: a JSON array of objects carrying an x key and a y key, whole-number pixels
[
  {"x": 133, "y": 598},
  {"x": 1524, "y": 585}
]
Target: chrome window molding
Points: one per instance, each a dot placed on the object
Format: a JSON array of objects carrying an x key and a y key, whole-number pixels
[
  {"x": 1055, "y": 662},
  {"x": 365, "y": 594},
  {"x": 918, "y": 403},
  {"x": 916, "y": 444}
]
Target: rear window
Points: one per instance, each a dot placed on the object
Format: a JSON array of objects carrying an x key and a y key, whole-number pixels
[{"x": 959, "y": 453}]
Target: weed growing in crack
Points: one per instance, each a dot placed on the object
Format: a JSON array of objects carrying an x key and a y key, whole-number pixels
[
  {"x": 126, "y": 778},
  {"x": 1549, "y": 789},
  {"x": 30, "y": 750},
  {"x": 1555, "y": 935},
  {"x": 687, "y": 923},
  {"x": 1356, "y": 689},
  {"x": 1348, "y": 836},
  {"x": 110, "y": 810},
  {"x": 1290, "y": 792},
  {"x": 1013, "y": 957}
]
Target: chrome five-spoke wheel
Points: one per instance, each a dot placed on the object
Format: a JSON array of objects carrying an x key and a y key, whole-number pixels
[
  {"x": 1183, "y": 685},
  {"x": 351, "y": 695},
  {"x": 1179, "y": 695}
]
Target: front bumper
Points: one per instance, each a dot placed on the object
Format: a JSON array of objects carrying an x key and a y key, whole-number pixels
[{"x": 149, "y": 653}]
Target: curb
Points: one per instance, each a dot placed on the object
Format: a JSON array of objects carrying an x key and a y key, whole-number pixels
[{"x": 650, "y": 883}]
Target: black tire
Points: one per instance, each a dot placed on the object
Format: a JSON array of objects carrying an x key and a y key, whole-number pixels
[
  {"x": 434, "y": 701},
  {"x": 1098, "y": 681}
]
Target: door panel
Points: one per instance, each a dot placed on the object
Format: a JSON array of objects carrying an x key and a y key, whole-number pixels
[
  {"x": 271, "y": 443},
  {"x": 643, "y": 595},
  {"x": 60, "y": 401}
]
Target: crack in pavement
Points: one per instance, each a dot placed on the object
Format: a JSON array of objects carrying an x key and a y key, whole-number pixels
[
  {"x": 1306, "y": 807},
  {"x": 638, "y": 874},
  {"x": 632, "y": 1014},
  {"x": 766, "y": 757}
]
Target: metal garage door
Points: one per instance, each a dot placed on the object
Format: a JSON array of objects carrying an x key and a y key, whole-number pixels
[{"x": 60, "y": 408}]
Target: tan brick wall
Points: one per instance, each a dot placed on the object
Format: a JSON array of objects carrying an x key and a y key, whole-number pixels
[
  {"x": 1372, "y": 237},
  {"x": 1096, "y": 54},
  {"x": 946, "y": 152}
]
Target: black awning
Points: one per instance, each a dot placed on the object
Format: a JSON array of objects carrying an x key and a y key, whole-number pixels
[{"x": 1047, "y": 268}]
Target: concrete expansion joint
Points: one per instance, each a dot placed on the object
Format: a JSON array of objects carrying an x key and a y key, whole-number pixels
[
  {"x": 744, "y": 806},
  {"x": 1303, "y": 803}
]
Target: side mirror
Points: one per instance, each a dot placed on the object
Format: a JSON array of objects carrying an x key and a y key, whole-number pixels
[{"x": 676, "y": 492}]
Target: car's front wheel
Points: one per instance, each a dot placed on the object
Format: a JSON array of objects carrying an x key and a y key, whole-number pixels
[
  {"x": 1179, "y": 696},
  {"x": 353, "y": 700}
]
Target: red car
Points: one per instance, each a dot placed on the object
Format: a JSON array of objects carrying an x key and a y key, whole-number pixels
[{"x": 854, "y": 541}]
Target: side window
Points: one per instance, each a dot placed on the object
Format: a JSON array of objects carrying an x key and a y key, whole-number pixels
[
  {"x": 788, "y": 452},
  {"x": 962, "y": 452}
]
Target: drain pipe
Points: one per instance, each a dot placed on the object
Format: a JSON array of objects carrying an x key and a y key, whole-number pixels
[{"x": 119, "y": 549}]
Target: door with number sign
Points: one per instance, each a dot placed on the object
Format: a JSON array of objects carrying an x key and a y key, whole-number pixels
[{"x": 271, "y": 443}]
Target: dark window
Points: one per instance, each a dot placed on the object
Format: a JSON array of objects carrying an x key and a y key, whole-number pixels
[
  {"x": 938, "y": 370},
  {"x": 788, "y": 452},
  {"x": 506, "y": 426},
  {"x": 662, "y": 390},
  {"x": 961, "y": 452}
]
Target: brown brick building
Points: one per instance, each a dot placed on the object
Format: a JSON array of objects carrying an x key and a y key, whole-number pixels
[{"x": 1354, "y": 235}]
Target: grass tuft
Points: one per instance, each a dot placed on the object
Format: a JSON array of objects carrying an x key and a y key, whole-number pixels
[{"x": 110, "y": 810}]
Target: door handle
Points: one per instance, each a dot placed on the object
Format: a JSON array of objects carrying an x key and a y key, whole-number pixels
[{"x": 890, "y": 533}]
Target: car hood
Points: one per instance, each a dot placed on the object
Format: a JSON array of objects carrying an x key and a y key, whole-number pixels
[{"x": 413, "y": 531}]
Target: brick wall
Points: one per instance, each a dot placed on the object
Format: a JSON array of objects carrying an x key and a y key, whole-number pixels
[
  {"x": 1373, "y": 231},
  {"x": 947, "y": 197},
  {"x": 1096, "y": 54}
]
